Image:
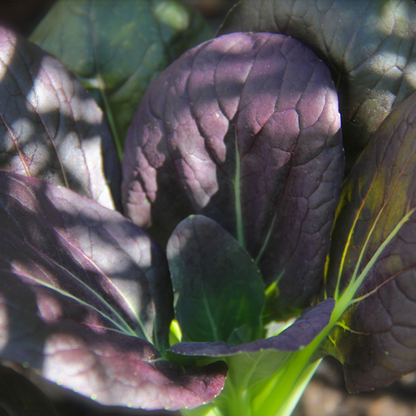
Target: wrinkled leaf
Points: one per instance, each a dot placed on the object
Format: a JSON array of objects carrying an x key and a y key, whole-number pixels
[
  {"x": 219, "y": 292},
  {"x": 368, "y": 44},
  {"x": 243, "y": 129},
  {"x": 118, "y": 47},
  {"x": 49, "y": 127},
  {"x": 373, "y": 257},
  {"x": 20, "y": 397},
  {"x": 79, "y": 289}
]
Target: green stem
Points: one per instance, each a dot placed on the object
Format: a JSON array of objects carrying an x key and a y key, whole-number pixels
[{"x": 237, "y": 197}]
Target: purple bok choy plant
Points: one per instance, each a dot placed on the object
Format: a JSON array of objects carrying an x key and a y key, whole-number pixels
[{"x": 233, "y": 164}]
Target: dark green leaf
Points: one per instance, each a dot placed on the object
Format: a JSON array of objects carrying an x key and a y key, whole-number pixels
[
  {"x": 217, "y": 286},
  {"x": 368, "y": 44},
  {"x": 117, "y": 48},
  {"x": 373, "y": 259},
  {"x": 20, "y": 397}
]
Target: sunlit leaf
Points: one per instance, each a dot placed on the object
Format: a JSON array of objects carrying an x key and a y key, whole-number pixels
[
  {"x": 49, "y": 127},
  {"x": 373, "y": 260}
]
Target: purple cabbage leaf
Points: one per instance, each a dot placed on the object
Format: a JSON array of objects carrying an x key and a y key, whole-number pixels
[
  {"x": 245, "y": 130},
  {"x": 368, "y": 44},
  {"x": 372, "y": 260},
  {"x": 50, "y": 128},
  {"x": 84, "y": 296}
]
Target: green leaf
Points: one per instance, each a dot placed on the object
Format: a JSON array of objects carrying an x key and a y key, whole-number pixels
[
  {"x": 118, "y": 47},
  {"x": 372, "y": 267},
  {"x": 219, "y": 290}
]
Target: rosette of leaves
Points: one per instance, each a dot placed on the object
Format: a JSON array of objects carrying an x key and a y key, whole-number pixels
[
  {"x": 234, "y": 163},
  {"x": 86, "y": 295}
]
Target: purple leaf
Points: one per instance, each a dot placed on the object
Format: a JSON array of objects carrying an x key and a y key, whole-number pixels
[
  {"x": 243, "y": 129},
  {"x": 79, "y": 292},
  {"x": 301, "y": 333},
  {"x": 369, "y": 44},
  {"x": 373, "y": 257},
  {"x": 50, "y": 128}
]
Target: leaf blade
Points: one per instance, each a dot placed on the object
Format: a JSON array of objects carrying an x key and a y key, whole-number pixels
[
  {"x": 378, "y": 205},
  {"x": 74, "y": 282},
  {"x": 49, "y": 127},
  {"x": 216, "y": 283}
]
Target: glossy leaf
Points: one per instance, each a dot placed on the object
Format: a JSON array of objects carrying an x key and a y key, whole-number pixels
[
  {"x": 118, "y": 47},
  {"x": 372, "y": 258},
  {"x": 219, "y": 292},
  {"x": 49, "y": 127},
  {"x": 243, "y": 129},
  {"x": 20, "y": 397},
  {"x": 368, "y": 44},
  {"x": 80, "y": 286}
]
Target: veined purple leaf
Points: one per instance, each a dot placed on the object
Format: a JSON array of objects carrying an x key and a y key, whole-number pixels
[
  {"x": 372, "y": 259},
  {"x": 368, "y": 44},
  {"x": 219, "y": 292},
  {"x": 257, "y": 361},
  {"x": 301, "y": 333},
  {"x": 243, "y": 129},
  {"x": 50, "y": 128},
  {"x": 80, "y": 287}
]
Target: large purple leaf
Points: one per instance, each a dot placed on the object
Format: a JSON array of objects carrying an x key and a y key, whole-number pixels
[
  {"x": 219, "y": 292},
  {"x": 80, "y": 287},
  {"x": 50, "y": 128},
  {"x": 368, "y": 44},
  {"x": 243, "y": 129},
  {"x": 373, "y": 257}
]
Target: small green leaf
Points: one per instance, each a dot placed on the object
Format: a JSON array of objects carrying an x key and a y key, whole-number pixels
[
  {"x": 219, "y": 290},
  {"x": 118, "y": 47}
]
